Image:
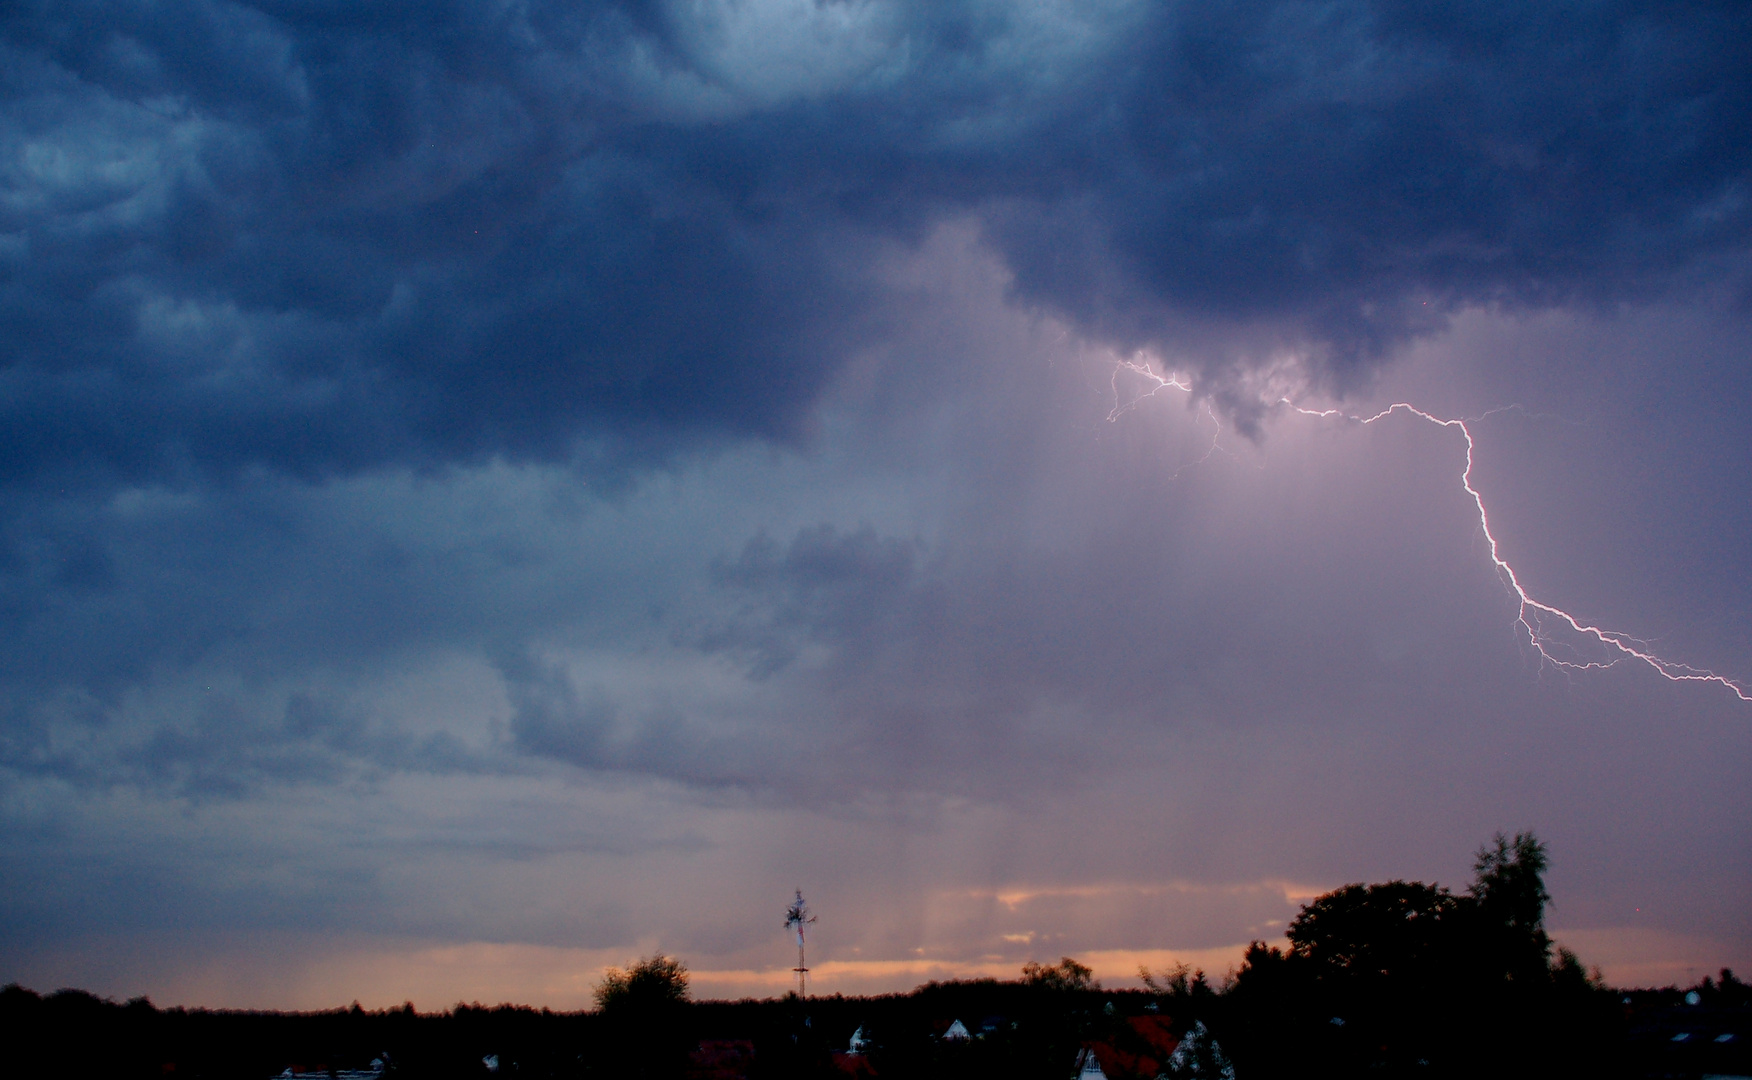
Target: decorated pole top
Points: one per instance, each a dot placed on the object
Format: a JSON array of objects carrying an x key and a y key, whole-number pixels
[{"x": 797, "y": 917}]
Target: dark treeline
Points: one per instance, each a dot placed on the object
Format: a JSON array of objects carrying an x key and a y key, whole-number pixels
[
  {"x": 71, "y": 1033},
  {"x": 1399, "y": 979},
  {"x": 1404, "y": 976}
]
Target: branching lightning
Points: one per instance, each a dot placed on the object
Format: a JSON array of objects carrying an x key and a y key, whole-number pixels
[
  {"x": 1533, "y": 615},
  {"x": 1159, "y": 384}
]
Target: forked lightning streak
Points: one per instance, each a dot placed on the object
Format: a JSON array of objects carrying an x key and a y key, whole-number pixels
[{"x": 1533, "y": 614}]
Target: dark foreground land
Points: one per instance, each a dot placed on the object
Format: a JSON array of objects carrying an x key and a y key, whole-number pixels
[
  {"x": 1015, "y": 1031},
  {"x": 1391, "y": 980}
]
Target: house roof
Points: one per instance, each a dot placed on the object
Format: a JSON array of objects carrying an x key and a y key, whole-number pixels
[{"x": 1139, "y": 1051}]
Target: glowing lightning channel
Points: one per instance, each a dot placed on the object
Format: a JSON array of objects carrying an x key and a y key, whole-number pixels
[
  {"x": 1169, "y": 382},
  {"x": 1532, "y": 612}
]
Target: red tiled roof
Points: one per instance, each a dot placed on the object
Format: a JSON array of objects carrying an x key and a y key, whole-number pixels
[
  {"x": 1156, "y": 1033},
  {"x": 1148, "y": 1043},
  {"x": 857, "y": 1065},
  {"x": 721, "y": 1059}
]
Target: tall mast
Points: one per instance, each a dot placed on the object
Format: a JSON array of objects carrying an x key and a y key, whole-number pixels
[{"x": 797, "y": 917}]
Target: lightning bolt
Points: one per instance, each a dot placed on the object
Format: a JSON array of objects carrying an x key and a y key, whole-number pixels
[
  {"x": 1533, "y": 615},
  {"x": 1171, "y": 381},
  {"x": 1159, "y": 384}
]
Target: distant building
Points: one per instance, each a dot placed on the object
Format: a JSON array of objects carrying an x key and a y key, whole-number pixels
[
  {"x": 1198, "y": 1055},
  {"x": 852, "y": 1060},
  {"x": 1693, "y": 1039},
  {"x": 323, "y": 1072},
  {"x": 721, "y": 1059},
  {"x": 1089, "y": 1065},
  {"x": 1139, "y": 1051},
  {"x": 854, "y": 1065}
]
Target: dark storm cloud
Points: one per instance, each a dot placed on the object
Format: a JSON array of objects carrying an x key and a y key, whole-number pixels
[
  {"x": 225, "y": 746},
  {"x": 320, "y": 241},
  {"x": 391, "y": 538},
  {"x": 324, "y": 237},
  {"x": 554, "y": 718},
  {"x": 1343, "y": 163},
  {"x": 150, "y": 637},
  {"x": 841, "y": 600},
  {"x": 846, "y": 591}
]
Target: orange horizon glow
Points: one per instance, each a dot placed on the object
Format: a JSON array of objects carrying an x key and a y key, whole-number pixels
[{"x": 439, "y": 977}]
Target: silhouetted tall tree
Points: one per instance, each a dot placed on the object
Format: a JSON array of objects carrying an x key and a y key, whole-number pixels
[
  {"x": 1066, "y": 976},
  {"x": 1508, "y": 890},
  {"x": 657, "y": 983},
  {"x": 645, "y": 1009},
  {"x": 1408, "y": 978}
]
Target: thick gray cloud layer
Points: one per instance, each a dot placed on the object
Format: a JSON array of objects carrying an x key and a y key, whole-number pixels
[
  {"x": 316, "y": 237},
  {"x": 467, "y": 471}
]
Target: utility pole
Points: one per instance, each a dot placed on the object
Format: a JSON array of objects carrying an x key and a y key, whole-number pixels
[{"x": 796, "y": 918}]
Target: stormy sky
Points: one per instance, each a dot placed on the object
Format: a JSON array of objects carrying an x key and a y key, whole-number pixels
[{"x": 490, "y": 490}]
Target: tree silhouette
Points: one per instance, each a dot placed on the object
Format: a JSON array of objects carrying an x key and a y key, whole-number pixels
[
  {"x": 646, "y": 1007},
  {"x": 1067, "y": 975},
  {"x": 654, "y": 984},
  {"x": 1508, "y": 890},
  {"x": 1407, "y": 978}
]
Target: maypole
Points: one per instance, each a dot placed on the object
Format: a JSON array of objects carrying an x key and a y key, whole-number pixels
[{"x": 796, "y": 918}]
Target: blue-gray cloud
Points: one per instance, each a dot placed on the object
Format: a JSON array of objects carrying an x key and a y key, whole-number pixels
[{"x": 320, "y": 239}]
